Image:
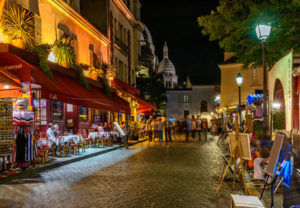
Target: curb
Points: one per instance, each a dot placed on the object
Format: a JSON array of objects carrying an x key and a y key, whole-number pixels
[{"x": 31, "y": 172}]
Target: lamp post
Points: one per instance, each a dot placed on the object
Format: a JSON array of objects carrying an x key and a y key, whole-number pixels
[
  {"x": 263, "y": 32},
  {"x": 239, "y": 81}
]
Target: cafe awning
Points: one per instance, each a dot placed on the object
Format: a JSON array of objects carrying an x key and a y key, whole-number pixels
[
  {"x": 144, "y": 106},
  {"x": 10, "y": 85},
  {"x": 64, "y": 88}
]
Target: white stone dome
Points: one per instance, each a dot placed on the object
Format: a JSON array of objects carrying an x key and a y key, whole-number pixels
[{"x": 166, "y": 66}]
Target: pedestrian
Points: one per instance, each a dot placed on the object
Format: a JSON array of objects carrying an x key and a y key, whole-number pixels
[
  {"x": 125, "y": 128},
  {"x": 204, "y": 129},
  {"x": 155, "y": 128},
  {"x": 168, "y": 129},
  {"x": 193, "y": 127},
  {"x": 149, "y": 128},
  {"x": 187, "y": 128},
  {"x": 160, "y": 127},
  {"x": 198, "y": 128}
]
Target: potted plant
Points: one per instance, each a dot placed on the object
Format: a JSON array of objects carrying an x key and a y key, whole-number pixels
[
  {"x": 17, "y": 23},
  {"x": 64, "y": 52}
]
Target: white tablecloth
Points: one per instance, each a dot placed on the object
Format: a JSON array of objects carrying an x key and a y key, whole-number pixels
[
  {"x": 103, "y": 134},
  {"x": 58, "y": 140}
]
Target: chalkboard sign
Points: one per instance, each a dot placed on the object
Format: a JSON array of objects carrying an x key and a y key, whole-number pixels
[
  {"x": 275, "y": 151},
  {"x": 83, "y": 114},
  {"x": 57, "y": 110}
]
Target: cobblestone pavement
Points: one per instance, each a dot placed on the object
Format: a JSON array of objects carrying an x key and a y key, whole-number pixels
[{"x": 177, "y": 174}]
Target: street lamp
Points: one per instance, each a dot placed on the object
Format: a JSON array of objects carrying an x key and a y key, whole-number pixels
[
  {"x": 275, "y": 108},
  {"x": 263, "y": 32},
  {"x": 239, "y": 81}
]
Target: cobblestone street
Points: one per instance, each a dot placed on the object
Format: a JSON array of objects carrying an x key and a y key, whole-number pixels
[{"x": 177, "y": 174}]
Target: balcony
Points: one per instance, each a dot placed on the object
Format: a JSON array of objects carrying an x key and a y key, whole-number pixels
[{"x": 122, "y": 45}]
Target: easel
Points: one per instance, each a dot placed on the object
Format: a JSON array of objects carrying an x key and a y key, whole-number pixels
[{"x": 235, "y": 154}]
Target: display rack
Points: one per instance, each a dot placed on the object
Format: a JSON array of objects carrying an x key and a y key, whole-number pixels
[{"x": 6, "y": 130}]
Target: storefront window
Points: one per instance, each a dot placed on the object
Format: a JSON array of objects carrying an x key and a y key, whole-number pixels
[
  {"x": 83, "y": 115},
  {"x": 41, "y": 113},
  {"x": 57, "y": 111}
]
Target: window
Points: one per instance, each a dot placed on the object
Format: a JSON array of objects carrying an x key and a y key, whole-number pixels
[
  {"x": 83, "y": 114},
  {"x": 57, "y": 111},
  {"x": 186, "y": 99},
  {"x": 203, "y": 106},
  {"x": 121, "y": 71},
  {"x": 70, "y": 2},
  {"x": 69, "y": 108},
  {"x": 41, "y": 113}
]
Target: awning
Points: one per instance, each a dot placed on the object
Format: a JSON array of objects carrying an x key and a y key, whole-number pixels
[
  {"x": 65, "y": 87},
  {"x": 254, "y": 98},
  {"x": 10, "y": 85},
  {"x": 144, "y": 106}
]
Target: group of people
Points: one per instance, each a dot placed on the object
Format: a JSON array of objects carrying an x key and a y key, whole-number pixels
[
  {"x": 53, "y": 131},
  {"x": 156, "y": 127},
  {"x": 196, "y": 125}
]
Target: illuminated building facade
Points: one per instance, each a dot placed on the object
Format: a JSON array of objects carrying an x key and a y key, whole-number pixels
[
  {"x": 58, "y": 19},
  {"x": 167, "y": 68}
]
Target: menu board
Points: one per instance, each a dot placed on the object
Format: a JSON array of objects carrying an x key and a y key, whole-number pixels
[
  {"x": 83, "y": 114},
  {"x": 6, "y": 128},
  {"x": 57, "y": 110}
]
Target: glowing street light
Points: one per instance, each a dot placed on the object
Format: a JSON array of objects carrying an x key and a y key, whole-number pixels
[
  {"x": 276, "y": 106},
  {"x": 239, "y": 81},
  {"x": 263, "y": 32}
]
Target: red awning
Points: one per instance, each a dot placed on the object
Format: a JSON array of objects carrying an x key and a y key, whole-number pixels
[
  {"x": 123, "y": 85},
  {"x": 10, "y": 85},
  {"x": 65, "y": 87},
  {"x": 144, "y": 106}
]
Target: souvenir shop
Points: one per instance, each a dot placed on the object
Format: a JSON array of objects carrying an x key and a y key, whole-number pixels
[{"x": 16, "y": 124}]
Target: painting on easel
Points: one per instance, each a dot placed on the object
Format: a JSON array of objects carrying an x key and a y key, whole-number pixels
[{"x": 244, "y": 140}]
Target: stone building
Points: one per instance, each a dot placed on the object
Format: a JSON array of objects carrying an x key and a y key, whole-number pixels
[
  {"x": 167, "y": 68},
  {"x": 197, "y": 100}
]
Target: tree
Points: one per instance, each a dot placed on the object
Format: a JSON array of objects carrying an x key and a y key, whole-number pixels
[
  {"x": 155, "y": 94},
  {"x": 233, "y": 24}
]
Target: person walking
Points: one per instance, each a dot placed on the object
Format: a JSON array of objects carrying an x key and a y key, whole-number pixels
[
  {"x": 198, "y": 128},
  {"x": 149, "y": 128},
  {"x": 154, "y": 125},
  {"x": 188, "y": 128},
  {"x": 193, "y": 127},
  {"x": 160, "y": 128},
  {"x": 168, "y": 129},
  {"x": 204, "y": 129}
]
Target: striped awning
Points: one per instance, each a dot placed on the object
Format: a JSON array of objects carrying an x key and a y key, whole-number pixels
[{"x": 254, "y": 98}]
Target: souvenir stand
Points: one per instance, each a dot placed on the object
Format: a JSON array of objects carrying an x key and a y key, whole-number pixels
[
  {"x": 24, "y": 150},
  {"x": 6, "y": 132}
]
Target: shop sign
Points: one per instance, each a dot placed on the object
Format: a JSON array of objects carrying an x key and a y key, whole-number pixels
[{"x": 12, "y": 67}]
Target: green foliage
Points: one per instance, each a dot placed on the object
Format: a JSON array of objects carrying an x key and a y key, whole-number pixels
[
  {"x": 18, "y": 23},
  {"x": 42, "y": 51},
  {"x": 81, "y": 78},
  {"x": 64, "y": 52},
  {"x": 258, "y": 127},
  {"x": 107, "y": 88},
  {"x": 153, "y": 90},
  {"x": 279, "y": 120},
  {"x": 233, "y": 25}
]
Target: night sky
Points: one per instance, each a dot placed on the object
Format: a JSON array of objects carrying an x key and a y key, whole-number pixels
[{"x": 175, "y": 21}]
